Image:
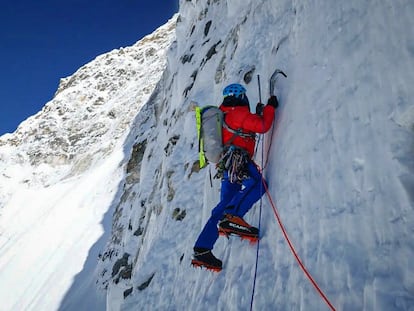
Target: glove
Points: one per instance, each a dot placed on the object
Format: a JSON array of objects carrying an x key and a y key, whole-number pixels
[
  {"x": 272, "y": 101},
  {"x": 259, "y": 109}
]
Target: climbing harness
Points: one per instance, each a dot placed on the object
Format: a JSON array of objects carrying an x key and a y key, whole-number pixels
[{"x": 234, "y": 160}]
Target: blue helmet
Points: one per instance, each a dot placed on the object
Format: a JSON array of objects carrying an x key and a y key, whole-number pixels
[{"x": 235, "y": 89}]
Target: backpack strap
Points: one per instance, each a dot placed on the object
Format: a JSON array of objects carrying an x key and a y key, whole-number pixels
[
  {"x": 202, "y": 157},
  {"x": 236, "y": 133}
]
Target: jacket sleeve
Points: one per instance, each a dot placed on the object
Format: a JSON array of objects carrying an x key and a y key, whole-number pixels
[{"x": 260, "y": 124}]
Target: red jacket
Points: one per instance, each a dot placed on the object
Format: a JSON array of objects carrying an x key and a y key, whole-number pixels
[{"x": 240, "y": 118}]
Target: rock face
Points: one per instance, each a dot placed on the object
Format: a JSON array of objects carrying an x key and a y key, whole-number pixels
[{"x": 329, "y": 160}]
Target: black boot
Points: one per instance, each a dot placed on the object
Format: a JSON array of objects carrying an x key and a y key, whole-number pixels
[{"x": 203, "y": 257}]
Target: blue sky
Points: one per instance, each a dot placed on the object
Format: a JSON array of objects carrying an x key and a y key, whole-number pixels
[{"x": 43, "y": 41}]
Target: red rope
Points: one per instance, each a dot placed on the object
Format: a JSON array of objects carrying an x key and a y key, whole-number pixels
[{"x": 302, "y": 266}]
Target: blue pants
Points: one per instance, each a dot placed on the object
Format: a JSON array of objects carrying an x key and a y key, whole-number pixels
[{"x": 235, "y": 199}]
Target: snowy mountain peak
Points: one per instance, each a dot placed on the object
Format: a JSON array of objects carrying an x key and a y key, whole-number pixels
[
  {"x": 92, "y": 109},
  {"x": 60, "y": 169}
]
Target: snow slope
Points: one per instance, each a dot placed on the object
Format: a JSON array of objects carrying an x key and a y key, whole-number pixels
[
  {"x": 339, "y": 163},
  {"x": 58, "y": 178}
]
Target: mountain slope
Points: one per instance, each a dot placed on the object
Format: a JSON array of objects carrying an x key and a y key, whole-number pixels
[
  {"x": 339, "y": 164},
  {"x": 59, "y": 175}
]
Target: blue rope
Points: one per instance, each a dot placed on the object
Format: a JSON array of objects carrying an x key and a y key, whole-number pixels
[{"x": 260, "y": 220}]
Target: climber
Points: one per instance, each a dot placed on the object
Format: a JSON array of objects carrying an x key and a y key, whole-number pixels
[{"x": 241, "y": 180}]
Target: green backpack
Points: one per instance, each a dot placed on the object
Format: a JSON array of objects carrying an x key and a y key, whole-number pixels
[{"x": 209, "y": 121}]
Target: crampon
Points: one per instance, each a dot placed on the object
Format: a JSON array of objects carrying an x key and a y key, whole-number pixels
[
  {"x": 252, "y": 238},
  {"x": 199, "y": 264}
]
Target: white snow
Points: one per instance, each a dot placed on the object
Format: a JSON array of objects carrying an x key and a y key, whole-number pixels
[
  {"x": 39, "y": 261},
  {"x": 125, "y": 210},
  {"x": 59, "y": 177}
]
